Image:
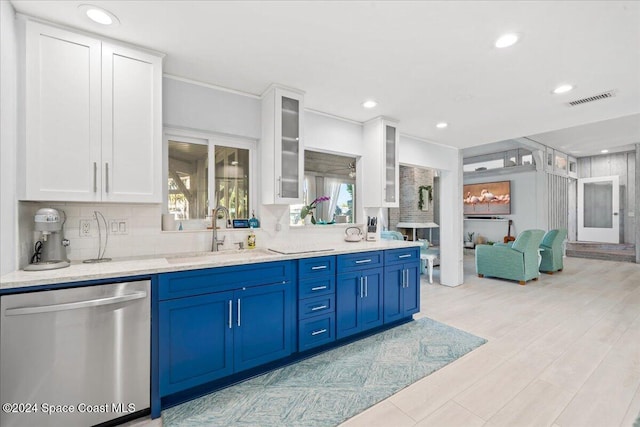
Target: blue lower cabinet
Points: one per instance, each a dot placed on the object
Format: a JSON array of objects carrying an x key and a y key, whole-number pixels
[
  {"x": 196, "y": 343},
  {"x": 264, "y": 328},
  {"x": 359, "y": 304},
  {"x": 205, "y": 337},
  {"x": 401, "y": 291}
]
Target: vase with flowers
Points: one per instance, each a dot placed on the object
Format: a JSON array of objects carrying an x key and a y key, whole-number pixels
[{"x": 308, "y": 209}]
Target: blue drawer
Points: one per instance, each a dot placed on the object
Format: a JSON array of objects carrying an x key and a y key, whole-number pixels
[
  {"x": 196, "y": 282},
  {"x": 316, "y": 331},
  {"x": 318, "y": 286},
  {"x": 314, "y": 267},
  {"x": 316, "y": 306},
  {"x": 400, "y": 256},
  {"x": 359, "y": 261}
]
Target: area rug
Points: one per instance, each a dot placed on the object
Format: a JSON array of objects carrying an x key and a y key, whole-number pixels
[{"x": 331, "y": 387}]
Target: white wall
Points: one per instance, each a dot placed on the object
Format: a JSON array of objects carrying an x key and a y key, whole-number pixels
[
  {"x": 332, "y": 135},
  {"x": 448, "y": 161},
  {"x": 8, "y": 137},
  {"x": 193, "y": 106},
  {"x": 524, "y": 206}
]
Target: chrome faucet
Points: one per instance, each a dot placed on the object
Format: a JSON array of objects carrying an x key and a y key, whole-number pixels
[{"x": 215, "y": 243}]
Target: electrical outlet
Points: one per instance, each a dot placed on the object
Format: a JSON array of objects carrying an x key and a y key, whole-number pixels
[{"x": 85, "y": 228}]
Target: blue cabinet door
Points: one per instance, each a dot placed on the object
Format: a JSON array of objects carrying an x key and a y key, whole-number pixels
[
  {"x": 393, "y": 293},
  {"x": 348, "y": 288},
  {"x": 411, "y": 294},
  {"x": 371, "y": 301},
  {"x": 264, "y": 328},
  {"x": 358, "y": 301},
  {"x": 195, "y": 342},
  {"x": 401, "y": 291}
]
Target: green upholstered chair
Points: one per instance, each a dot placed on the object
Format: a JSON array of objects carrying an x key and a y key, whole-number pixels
[
  {"x": 391, "y": 235},
  {"x": 518, "y": 261},
  {"x": 551, "y": 251}
]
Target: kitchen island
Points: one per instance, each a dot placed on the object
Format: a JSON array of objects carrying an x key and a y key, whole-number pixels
[{"x": 219, "y": 318}]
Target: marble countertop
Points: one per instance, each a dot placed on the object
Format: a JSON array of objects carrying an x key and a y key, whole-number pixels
[{"x": 146, "y": 265}]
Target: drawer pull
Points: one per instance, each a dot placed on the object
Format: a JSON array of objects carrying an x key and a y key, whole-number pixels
[
  {"x": 106, "y": 177},
  {"x": 405, "y": 256},
  {"x": 321, "y": 331},
  {"x": 319, "y": 267},
  {"x": 230, "y": 314},
  {"x": 318, "y": 288},
  {"x": 238, "y": 311},
  {"x": 320, "y": 307},
  {"x": 363, "y": 261},
  {"x": 366, "y": 286}
]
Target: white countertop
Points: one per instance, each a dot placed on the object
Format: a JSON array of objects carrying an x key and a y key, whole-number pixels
[{"x": 140, "y": 266}]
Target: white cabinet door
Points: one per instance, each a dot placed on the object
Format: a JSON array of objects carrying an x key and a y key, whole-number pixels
[
  {"x": 380, "y": 164},
  {"x": 62, "y": 120},
  {"x": 131, "y": 125},
  {"x": 282, "y": 147}
]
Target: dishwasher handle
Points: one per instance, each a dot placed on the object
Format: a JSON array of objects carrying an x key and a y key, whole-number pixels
[{"x": 75, "y": 305}]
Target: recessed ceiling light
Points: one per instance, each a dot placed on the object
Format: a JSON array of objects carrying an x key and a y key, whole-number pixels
[
  {"x": 99, "y": 15},
  {"x": 604, "y": 151},
  {"x": 562, "y": 89},
  {"x": 507, "y": 40},
  {"x": 442, "y": 125},
  {"x": 370, "y": 103}
]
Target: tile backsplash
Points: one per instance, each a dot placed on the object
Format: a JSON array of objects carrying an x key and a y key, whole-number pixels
[{"x": 143, "y": 235}]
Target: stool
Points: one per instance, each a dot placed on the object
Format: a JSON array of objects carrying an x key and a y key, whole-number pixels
[{"x": 429, "y": 258}]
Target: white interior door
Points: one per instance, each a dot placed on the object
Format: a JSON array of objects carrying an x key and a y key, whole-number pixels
[{"x": 598, "y": 209}]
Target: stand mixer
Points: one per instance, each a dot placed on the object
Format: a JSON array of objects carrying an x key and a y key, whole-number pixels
[{"x": 50, "y": 251}]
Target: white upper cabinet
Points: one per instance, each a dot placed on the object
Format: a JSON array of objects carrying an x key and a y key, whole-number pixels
[
  {"x": 380, "y": 164},
  {"x": 282, "y": 146},
  {"x": 93, "y": 120},
  {"x": 131, "y": 125}
]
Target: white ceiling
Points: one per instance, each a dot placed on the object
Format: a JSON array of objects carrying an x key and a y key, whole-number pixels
[{"x": 424, "y": 62}]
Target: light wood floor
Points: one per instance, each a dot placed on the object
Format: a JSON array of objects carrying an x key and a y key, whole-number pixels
[{"x": 561, "y": 351}]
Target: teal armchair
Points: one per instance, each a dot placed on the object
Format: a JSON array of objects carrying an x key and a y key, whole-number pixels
[
  {"x": 391, "y": 235},
  {"x": 518, "y": 261},
  {"x": 551, "y": 251}
]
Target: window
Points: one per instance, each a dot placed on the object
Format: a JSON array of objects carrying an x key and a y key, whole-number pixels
[
  {"x": 187, "y": 184},
  {"x": 328, "y": 175},
  {"x": 503, "y": 159},
  {"x": 194, "y": 188},
  {"x": 232, "y": 180}
]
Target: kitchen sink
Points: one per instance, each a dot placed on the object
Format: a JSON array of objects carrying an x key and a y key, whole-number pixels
[{"x": 220, "y": 256}]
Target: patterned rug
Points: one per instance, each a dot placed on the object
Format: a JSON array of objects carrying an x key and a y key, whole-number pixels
[{"x": 331, "y": 387}]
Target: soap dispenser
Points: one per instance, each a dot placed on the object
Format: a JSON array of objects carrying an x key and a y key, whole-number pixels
[
  {"x": 251, "y": 239},
  {"x": 253, "y": 221}
]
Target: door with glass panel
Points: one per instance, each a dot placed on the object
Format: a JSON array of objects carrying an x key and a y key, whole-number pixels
[
  {"x": 289, "y": 159},
  {"x": 391, "y": 172},
  {"x": 598, "y": 209}
]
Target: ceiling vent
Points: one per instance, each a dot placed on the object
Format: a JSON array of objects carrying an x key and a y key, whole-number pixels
[{"x": 598, "y": 97}]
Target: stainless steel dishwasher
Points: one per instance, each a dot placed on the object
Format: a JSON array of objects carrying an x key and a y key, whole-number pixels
[{"x": 75, "y": 357}]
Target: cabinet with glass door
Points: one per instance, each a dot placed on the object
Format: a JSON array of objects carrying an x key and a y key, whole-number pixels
[
  {"x": 380, "y": 163},
  {"x": 282, "y": 146}
]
